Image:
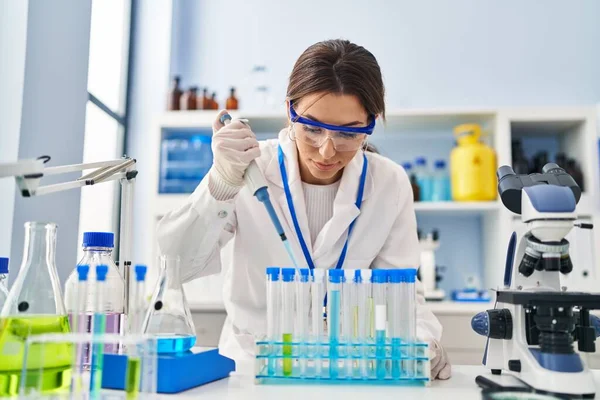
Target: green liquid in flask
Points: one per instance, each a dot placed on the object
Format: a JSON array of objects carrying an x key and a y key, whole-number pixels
[{"x": 52, "y": 361}]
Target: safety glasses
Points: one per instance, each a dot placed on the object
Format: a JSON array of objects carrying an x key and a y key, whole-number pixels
[{"x": 314, "y": 133}]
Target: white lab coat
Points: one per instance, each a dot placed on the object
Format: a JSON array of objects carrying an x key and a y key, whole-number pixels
[{"x": 384, "y": 236}]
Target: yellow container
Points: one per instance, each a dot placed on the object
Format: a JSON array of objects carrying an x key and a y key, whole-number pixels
[{"x": 472, "y": 166}]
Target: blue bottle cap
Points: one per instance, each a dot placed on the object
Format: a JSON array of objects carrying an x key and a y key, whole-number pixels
[
  {"x": 395, "y": 275},
  {"x": 101, "y": 271},
  {"x": 440, "y": 164},
  {"x": 336, "y": 275},
  {"x": 98, "y": 239},
  {"x": 421, "y": 161},
  {"x": 407, "y": 166},
  {"x": 410, "y": 275},
  {"x": 304, "y": 274},
  {"x": 379, "y": 276},
  {"x": 288, "y": 274},
  {"x": 273, "y": 273},
  {"x": 357, "y": 276},
  {"x": 82, "y": 272},
  {"x": 3, "y": 265},
  {"x": 140, "y": 273}
]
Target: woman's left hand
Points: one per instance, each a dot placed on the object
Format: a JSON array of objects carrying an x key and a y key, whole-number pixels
[{"x": 440, "y": 364}]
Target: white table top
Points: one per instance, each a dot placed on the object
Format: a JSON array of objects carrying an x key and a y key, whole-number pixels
[{"x": 460, "y": 386}]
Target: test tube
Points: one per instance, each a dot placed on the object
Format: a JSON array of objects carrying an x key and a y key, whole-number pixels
[
  {"x": 410, "y": 316},
  {"x": 273, "y": 315},
  {"x": 334, "y": 294},
  {"x": 79, "y": 325},
  {"x": 363, "y": 280},
  {"x": 302, "y": 307},
  {"x": 99, "y": 330},
  {"x": 139, "y": 291},
  {"x": 288, "y": 287},
  {"x": 348, "y": 301},
  {"x": 318, "y": 296},
  {"x": 379, "y": 280},
  {"x": 394, "y": 304}
]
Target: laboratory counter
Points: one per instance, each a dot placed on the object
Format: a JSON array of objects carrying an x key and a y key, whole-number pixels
[{"x": 461, "y": 386}]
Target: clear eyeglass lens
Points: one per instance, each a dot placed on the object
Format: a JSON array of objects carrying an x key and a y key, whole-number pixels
[{"x": 316, "y": 137}]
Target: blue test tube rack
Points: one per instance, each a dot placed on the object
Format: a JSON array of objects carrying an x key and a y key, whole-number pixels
[{"x": 311, "y": 362}]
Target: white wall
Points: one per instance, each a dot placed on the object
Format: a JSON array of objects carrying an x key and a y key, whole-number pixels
[
  {"x": 13, "y": 36},
  {"x": 149, "y": 83},
  {"x": 53, "y": 117},
  {"x": 433, "y": 53}
]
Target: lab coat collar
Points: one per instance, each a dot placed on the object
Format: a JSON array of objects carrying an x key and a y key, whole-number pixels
[{"x": 344, "y": 207}]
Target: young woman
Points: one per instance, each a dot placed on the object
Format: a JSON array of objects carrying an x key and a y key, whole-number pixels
[{"x": 315, "y": 170}]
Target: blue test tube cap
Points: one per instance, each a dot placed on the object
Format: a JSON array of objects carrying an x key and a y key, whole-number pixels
[
  {"x": 140, "y": 273},
  {"x": 101, "y": 271},
  {"x": 357, "y": 276},
  {"x": 421, "y": 161},
  {"x": 336, "y": 275},
  {"x": 288, "y": 274},
  {"x": 379, "y": 276},
  {"x": 304, "y": 274},
  {"x": 3, "y": 265},
  {"x": 395, "y": 275},
  {"x": 410, "y": 275},
  {"x": 82, "y": 272},
  {"x": 273, "y": 273}
]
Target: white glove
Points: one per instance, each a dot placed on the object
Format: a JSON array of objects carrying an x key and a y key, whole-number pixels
[
  {"x": 440, "y": 364},
  {"x": 234, "y": 146}
]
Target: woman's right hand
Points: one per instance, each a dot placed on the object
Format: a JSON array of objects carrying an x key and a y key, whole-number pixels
[{"x": 234, "y": 146}]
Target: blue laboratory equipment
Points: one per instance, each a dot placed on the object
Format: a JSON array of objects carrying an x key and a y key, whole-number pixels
[
  {"x": 139, "y": 304},
  {"x": 99, "y": 330},
  {"x": 273, "y": 313},
  {"x": 365, "y": 305},
  {"x": 334, "y": 295},
  {"x": 394, "y": 306},
  {"x": 287, "y": 325},
  {"x": 423, "y": 179},
  {"x": 168, "y": 318},
  {"x": 317, "y": 314},
  {"x": 254, "y": 180},
  {"x": 379, "y": 280},
  {"x": 3, "y": 280},
  {"x": 440, "y": 182},
  {"x": 302, "y": 314},
  {"x": 185, "y": 159}
]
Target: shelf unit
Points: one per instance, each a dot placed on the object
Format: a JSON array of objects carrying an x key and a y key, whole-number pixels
[{"x": 573, "y": 128}]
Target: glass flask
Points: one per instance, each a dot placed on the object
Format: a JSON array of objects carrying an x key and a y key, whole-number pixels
[
  {"x": 169, "y": 318},
  {"x": 35, "y": 306},
  {"x": 97, "y": 250}
]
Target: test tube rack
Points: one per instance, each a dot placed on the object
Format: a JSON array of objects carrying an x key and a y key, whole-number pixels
[
  {"x": 363, "y": 331},
  {"x": 271, "y": 357}
]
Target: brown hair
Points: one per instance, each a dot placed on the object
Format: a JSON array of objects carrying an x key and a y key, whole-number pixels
[{"x": 339, "y": 66}]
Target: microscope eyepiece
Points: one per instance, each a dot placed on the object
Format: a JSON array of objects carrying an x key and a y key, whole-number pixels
[
  {"x": 504, "y": 171},
  {"x": 552, "y": 168}
]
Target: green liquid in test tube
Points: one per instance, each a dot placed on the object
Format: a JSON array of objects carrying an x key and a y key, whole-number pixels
[{"x": 288, "y": 287}]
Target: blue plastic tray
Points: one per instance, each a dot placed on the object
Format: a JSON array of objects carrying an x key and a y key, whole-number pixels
[{"x": 199, "y": 366}]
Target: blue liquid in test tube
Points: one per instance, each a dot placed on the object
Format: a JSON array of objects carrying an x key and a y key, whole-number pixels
[
  {"x": 334, "y": 290},
  {"x": 379, "y": 279},
  {"x": 394, "y": 305}
]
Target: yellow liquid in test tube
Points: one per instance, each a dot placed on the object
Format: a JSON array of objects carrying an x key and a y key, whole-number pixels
[{"x": 287, "y": 353}]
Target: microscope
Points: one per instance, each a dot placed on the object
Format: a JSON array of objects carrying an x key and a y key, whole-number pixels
[{"x": 532, "y": 329}]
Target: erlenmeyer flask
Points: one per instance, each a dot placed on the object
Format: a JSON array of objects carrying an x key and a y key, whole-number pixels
[
  {"x": 169, "y": 318},
  {"x": 35, "y": 306}
]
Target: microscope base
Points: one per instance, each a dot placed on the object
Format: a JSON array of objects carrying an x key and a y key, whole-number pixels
[{"x": 435, "y": 295}]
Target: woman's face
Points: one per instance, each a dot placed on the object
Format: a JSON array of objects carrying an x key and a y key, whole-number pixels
[{"x": 324, "y": 165}]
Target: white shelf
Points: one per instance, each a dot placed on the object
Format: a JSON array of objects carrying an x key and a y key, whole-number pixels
[{"x": 455, "y": 208}]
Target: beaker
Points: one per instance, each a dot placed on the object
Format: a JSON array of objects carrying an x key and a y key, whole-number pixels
[
  {"x": 35, "y": 306},
  {"x": 169, "y": 318}
]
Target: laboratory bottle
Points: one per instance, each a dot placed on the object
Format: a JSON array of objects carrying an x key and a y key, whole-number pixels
[
  {"x": 440, "y": 182},
  {"x": 205, "y": 99},
  {"x": 423, "y": 178},
  {"x": 175, "y": 93},
  {"x": 232, "y": 101},
  {"x": 472, "y": 166},
  {"x": 97, "y": 250},
  {"x": 35, "y": 306},
  {"x": 168, "y": 317},
  {"x": 413, "y": 180},
  {"x": 3, "y": 280},
  {"x": 213, "y": 102},
  {"x": 189, "y": 99}
]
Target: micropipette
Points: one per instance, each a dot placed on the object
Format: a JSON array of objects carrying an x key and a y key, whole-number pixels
[
  {"x": 99, "y": 329},
  {"x": 258, "y": 187}
]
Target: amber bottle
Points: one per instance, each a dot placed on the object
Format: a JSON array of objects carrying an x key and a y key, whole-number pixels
[
  {"x": 232, "y": 102},
  {"x": 174, "y": 94},
  {"x": 205, "y": 99},
  {"x": 213, "y": 102},
  {"x": 189, "y": 100}
]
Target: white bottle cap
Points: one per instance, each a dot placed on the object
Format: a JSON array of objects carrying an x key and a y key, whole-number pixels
[
  {"x": 349, "y": 275},
  {"x": 365, "y": 275},
  {"x": 318, "y": 275}
]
